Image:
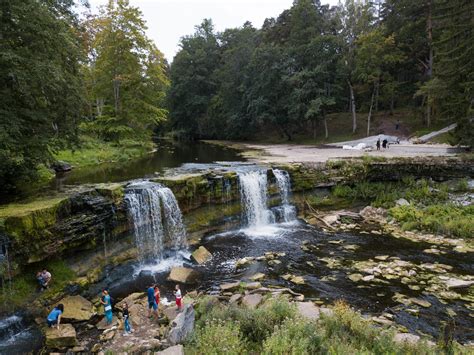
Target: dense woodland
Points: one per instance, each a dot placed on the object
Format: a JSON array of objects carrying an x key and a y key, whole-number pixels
[{"x": 65, "y": 75}]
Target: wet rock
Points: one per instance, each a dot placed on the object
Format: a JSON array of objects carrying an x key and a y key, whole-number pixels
[
  {"x": 244, "y": 261},
  {"x": 96, "y": 348},
  {"x": 252, "y": 301},
  {"x": 182, "y": 275},
  {"x": 102, "y": 325},
  {"x": 252, "y": 285},
  {"x": 230, "y": 286},
  {"x": 107, "y": 336},
  {"x": 373, "y": 214},
  {"x": 182, "y": 326},
  {"x": 420, "y": 302},
  {"x": 299, "y": 280},
  {"x": 172, "y": 350},
  {"x": 201, "y": 255},
  {"x": 382, "y": 257},
  {"x": 355, "y": 277},
  {"x": 286, "y": 277},
  {"x": 274, "y": 262},
  {"x": 76, "y": 308},
  {"x": 60, "y": 166},
  {"x": 331, "y": 219},
  {"x": 64, "y": 337},
  {"x": 352, "y": 247},
  {"x": 308, "y": 310},
  {"x": 258, "y": 276},
  {"x": 382, "y": 320},
  {"x": 454, "y": 284},
  {"x": 368, "y": 278},
  {"x": 170, "y": 313}
]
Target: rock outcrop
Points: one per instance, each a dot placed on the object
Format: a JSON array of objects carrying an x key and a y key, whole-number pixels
[
  {"x": 201, "y": 255},
  {"x": 76, "y": 308},
  {"x": 182, "y": 275},
  {"x": 64, "y": 337},
  {"x": 182, "y": 326}
]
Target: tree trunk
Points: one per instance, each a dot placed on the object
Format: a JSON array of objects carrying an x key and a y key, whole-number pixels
[
  {"x": 326, "y": 133},
  {"x": 370, "y": 112},
  {"x": 429, "y": 29},
  {"x": 353, "y": 107}
]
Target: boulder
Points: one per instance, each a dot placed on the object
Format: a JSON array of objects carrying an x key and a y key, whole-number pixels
[
  {"x": 420, "y": 302},
  {"x": 458, "y": 284},
  {"x": 61, "y": 166},
  {"x": 76, "y": 308},
  {"x": 182, "y": 275},
  {"x": 201, "y": 255},
  {"x": 299, "y": 280},
  {"x": 102, "y": 325},
  {"x": 171, "y": 313},
  {"x": 252, "y": 301},
  {"x": 331, "y": 219},
  {"x": 406, "y": 338},
  {"x": 252, "y": 285},
  {"x": 355, "y": 277},
  {"x": 308, "y": 310},
  {"x": 235, "y": 298},
  {"x": 182, "y": 326},
  {"x": 64, "y": 337},
  {"x": 230, "y": 286},
  {"x": 244, "y": 261},
  {"x": 257, "y": 277},
  {"x": 172, "y": 350}
]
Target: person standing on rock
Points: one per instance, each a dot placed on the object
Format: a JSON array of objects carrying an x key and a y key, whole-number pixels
[
  {"x": 378, "y": 144},
  {"x": 157, "y": 298},
  {"x": 107, "y": 302},
  {"x": 152, "y": 302},
  {"x": 126, "y": 317},
  {"x": 54, "y": 317},
  {"x": 178, "y": 296}
]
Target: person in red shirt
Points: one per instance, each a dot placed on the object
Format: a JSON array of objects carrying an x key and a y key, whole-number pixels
[
  {"x": 178, "y": 296},
  {"x": 157, "y": 297}
]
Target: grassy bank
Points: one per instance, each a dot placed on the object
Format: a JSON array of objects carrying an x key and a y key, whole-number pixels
[
  {"x": 94, "y": 151},
  {"x": 429, "y": 206},
  {"x": 277, "y": 328}
]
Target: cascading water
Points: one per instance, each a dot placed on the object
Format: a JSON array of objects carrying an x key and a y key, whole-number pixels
[
  {"x": 283, "y": 181},
  {"x": 253, "y": 195},
  {"x": 156, "y": 218}
]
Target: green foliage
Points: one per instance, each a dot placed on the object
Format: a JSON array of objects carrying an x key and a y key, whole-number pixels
[
  {"x": 445, "y": 219},
  {"x": 217, "y": 337},
  {"x": 41, "y": 93}
]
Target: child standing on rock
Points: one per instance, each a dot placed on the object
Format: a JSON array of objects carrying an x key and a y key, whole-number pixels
[
  {"x": 126, "y": 318},
  {"x": 178, "y": 296},
  {"x": 157, "y": 299}
]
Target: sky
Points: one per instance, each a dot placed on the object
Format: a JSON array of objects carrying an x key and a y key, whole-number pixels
[{"x": 169, "y": 20}]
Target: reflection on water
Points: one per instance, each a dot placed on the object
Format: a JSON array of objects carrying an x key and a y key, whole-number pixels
[{"x": 167, "y": 155}]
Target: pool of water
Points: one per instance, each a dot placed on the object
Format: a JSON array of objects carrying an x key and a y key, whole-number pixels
[{"x": 323, "y": 283}]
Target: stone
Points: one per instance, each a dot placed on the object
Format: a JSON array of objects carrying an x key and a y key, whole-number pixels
[
  {"x": 78, "y": 349},
  {"x": 230, "y": 286},
  {"x": 252, "y": 301},
  {"x": 258, "y": 276},
  {"x": 286, "y": 277},
  {"x": 172, "y": 350},
  {"x": 402, "y": 202},
  {"x": 235, "y": 298},
  {"x": 308, "y": 310},
  {"x": 331, "y": 219},
  {"x": 299, "y": 280},
  {"x": 76, "y": 308},
  {"x": 382, "y": 257},
  {"x": 274, "y": 262},
  {"x": 103, "y": 326},
  {"x": 60, "y": 166},
  {"x": 182, "y": 326},
  {"x": 107, "y": 336},
  {"x": 182, "y": 275},
  {"x": 406, "y": 338},
  {"x": 453, "y": 284},
  {"x": 328, "y": 312},
  {"x": 382, "y": 320},
  {"x": 244, "y": 261},
  {"x": 355, "y": 277},
  {"x": 420, "y": 302},
  {"x": 252, "y": 285},
  {"x": 170, "y": 313},
  {"x": 64, "y": 337},
  {"x": 368, "y": 278},
  {"x": 201, "y": 255}
]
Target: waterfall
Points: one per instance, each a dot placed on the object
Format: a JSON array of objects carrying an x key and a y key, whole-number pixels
[
  {"x": 283, "y": 181},
  {"x": 253, "y": 195},
  {"x": 156, "y": 219}
]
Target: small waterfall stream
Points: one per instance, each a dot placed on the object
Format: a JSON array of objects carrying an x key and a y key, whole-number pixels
[
  {"x": 284, "y": 185},
  {"x": 156, "y": 219}
]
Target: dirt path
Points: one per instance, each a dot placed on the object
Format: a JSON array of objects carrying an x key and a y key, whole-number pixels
[{"x": 287, "y": 153}]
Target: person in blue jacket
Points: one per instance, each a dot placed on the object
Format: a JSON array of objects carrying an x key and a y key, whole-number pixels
[
  {"x": 152, "y": 302},
  {"x": 107, "y": 302},
  {"x": 54, "y": 317}
]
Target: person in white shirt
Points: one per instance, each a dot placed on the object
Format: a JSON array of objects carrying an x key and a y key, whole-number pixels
[{"x": 178, "y": 296}]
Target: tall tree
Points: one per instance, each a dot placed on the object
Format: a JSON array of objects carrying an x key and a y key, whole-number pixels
[
  {"x": 128, "y": 74},
  {"x": 40, "y": 85}
]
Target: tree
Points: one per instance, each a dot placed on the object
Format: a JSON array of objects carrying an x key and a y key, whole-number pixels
[
  {"x": 193, "y": 83},
  {"x": 41, "y": 93},
  {"x": 128, "y": 74}
]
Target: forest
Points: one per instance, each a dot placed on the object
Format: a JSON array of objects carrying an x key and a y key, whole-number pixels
[{"x": 70, "y": 80}]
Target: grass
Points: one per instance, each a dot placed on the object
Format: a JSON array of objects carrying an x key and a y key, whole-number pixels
[
  {"x": 277, "y": 328},
  {"x": 94, "y": 151},
  {"x": 22, "y": 289}
]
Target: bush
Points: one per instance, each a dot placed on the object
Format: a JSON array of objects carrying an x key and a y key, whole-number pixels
[{"x": 217, "y": 337}]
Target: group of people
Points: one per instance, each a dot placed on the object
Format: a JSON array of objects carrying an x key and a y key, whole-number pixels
[
  {"x": 384, "y": 144},
  {"x": 44, "y": 278},
  {"x": 153, "y": 294}
]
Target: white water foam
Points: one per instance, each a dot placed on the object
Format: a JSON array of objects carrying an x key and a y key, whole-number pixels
[{"x": 164, "y": 264}]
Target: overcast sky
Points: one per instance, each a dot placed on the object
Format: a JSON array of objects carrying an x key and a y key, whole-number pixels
[{"x": 169, "y": 20}]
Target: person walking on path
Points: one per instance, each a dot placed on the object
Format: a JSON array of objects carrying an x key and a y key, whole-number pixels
[
  {"x": 54, "y": 317},
  {"x": 152, "y": 302},
  {"x": 107, "y": 302},
  {"x": 378, "y": 144},
  {"x": 178, "y": 296},
  {"x": 126, "y": 317},
  {"x": 157, "y": 298}
]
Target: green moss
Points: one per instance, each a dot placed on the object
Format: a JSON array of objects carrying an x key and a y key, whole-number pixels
[
  {"x": 114, "y": 191},
  {"x": 208, "y": 216}
]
